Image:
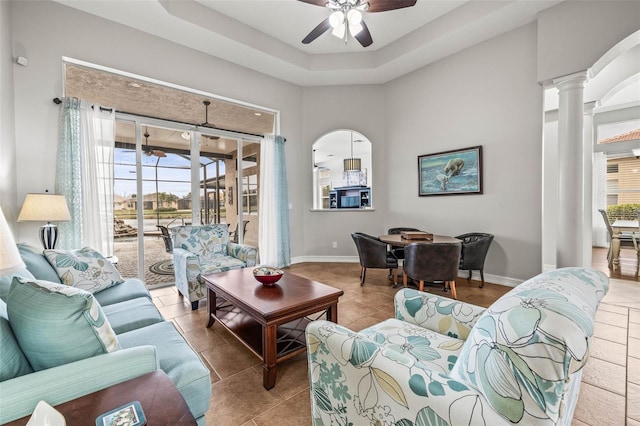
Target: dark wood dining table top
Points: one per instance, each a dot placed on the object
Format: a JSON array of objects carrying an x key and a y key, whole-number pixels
[{"x": 397, "y": 240}]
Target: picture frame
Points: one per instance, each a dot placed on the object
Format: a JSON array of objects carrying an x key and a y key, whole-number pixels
[{"x": 454, "y": 172}]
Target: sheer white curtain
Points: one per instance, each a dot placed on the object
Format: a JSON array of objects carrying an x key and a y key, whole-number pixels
[
  {"x": 274, "y": 249},
  {"x": 85, "y": 174},
  {"x": 600, "y": 234}
]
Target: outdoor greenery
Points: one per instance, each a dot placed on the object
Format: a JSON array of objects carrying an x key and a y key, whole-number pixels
[
  {"x": 623, "y": 212},
  {"x": 165, "y": 213}
]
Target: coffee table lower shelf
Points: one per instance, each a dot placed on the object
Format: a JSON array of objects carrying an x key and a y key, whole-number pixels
[{"x": 290, "y": 339}]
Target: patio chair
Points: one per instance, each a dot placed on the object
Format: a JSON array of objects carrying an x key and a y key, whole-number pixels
[
  {"x": 627, "y": 240},
  {"x": 166, "y": 237},
  {"x": 233, "y": 235}
]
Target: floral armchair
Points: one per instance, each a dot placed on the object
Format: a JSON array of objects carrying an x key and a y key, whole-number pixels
[
  {"x": 203, "y": 250},
  {"x": 446, "y": 362}
]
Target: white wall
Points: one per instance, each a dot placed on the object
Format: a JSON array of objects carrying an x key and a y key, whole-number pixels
[
  {"x": 360, "y": 108},
  {"x": 487, "y": 96},
  {"x": 575, "y": 34},
  {"x": 8, "y": 194}
]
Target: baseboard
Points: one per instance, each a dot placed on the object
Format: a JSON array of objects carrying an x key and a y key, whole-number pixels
[
  {"x": 494, "y": 279},
  {"x": 325, "y": 259}
]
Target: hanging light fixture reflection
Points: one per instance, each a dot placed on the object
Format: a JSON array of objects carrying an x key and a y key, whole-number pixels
[{"x": 352, "y": 164}]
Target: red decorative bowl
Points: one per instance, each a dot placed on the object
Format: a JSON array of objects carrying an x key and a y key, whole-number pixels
[{"x": 267, "y": 275}]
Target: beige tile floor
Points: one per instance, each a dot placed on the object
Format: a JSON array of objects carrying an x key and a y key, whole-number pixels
[{"x": 609, "y": 394}]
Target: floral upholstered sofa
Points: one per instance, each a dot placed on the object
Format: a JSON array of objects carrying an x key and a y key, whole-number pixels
[
  {"x": 202, "y": 250},
  {"x": 446, "y": 362}
]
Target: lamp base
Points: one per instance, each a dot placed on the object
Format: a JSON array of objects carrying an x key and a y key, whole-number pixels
[{"x": 49, "y": 236}]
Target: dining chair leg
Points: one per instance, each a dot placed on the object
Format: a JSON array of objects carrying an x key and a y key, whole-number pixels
[
  {"x": 395, "y": 278},
  {"x": 404, "y": 279},
  {"x": 363, "y": 274},
  {"x": 421, "y": 285},
  {"x": 452, "y": 284},
  {"x": 481, "y": 278},
  {"x": 469, "y": 278}
]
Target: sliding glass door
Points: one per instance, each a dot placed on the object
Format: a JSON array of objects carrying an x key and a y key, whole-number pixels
[{"x": 158, "y": 167}]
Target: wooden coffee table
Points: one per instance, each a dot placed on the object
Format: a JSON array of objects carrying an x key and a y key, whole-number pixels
[
  {"x": 159, "y": 398},
  {"x": 270, "y": 321}
]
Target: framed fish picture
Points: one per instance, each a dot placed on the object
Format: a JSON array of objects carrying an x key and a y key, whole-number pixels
[{"x": 450, "y": 172}]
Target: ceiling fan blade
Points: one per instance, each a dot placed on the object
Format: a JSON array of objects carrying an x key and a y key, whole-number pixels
[
  {"x": 384, "y": 5},
  {"x": 317, "y": 31},
  {"x": 315, "y": 2},
  {"x": 364, "y": 36}
]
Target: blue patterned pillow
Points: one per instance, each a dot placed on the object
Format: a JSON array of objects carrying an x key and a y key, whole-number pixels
[
  {"x": 85, "y": 268},
  {"x": 56, "y": 324}
]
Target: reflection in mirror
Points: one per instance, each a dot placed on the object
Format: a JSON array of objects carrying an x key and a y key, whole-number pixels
[{"x": 342, "y": 171}]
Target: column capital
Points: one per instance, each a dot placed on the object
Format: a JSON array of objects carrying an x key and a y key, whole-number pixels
[{"x": 571, "y": 81}]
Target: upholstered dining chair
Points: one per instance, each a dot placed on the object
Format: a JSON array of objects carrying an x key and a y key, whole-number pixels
[
  {"x": 475, "y": 246},
  {"x": 627, "y": 239},
  {"x": 373, "y": 253},
  {"x": 433, "y": 262},
  {"x": 398, "y": 251}
]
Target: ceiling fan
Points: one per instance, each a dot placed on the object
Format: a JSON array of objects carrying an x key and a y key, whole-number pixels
[
  {"x": 146, "y": 149},
  {"x": 347, "y": 17},
  {"x": 206, "y": 120}
]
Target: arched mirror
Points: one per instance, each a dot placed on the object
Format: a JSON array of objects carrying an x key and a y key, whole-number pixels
[{"x": 342, "y": 171}]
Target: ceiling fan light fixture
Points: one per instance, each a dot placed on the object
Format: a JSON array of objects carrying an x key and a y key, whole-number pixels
[
  {"x": 355, "y": 29},
  {"x": 354, "y": 16},
  {"x": 336, "y": 19},
  {"x": 339, "y": 31}
]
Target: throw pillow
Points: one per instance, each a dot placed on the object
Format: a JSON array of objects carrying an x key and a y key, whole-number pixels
[
  {"x": 56, "y": 324},
  {"x": 37, "y": 264},
  {"x": 14, "y": 363},
  {"x": 84, "y": 268},
  {"x": 6, "y": 280}
]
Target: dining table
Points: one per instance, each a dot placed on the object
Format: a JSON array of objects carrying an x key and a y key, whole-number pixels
[
  {"x": 397, "y": 240},
  {"x": 619, "y": 226}
]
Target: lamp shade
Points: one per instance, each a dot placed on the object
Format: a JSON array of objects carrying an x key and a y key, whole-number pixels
[
  {"x": 44, "y": 208},
  {"x": 352, "y": 164},
  {"x": 10, "y": 260}
]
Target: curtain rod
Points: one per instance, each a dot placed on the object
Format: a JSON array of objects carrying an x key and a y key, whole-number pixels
[{"x": 58, "y": 101}]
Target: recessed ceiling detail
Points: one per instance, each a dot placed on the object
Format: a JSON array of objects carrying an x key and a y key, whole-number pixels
[{"x": 265, "y": 35}]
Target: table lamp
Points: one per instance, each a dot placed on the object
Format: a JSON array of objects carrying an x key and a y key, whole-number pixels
[
  {"x": 45, "y": 208},
  {"x": 10, "y": 260}
]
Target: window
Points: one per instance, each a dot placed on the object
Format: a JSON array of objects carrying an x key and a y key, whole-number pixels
[{"x": 341, "y": 161}]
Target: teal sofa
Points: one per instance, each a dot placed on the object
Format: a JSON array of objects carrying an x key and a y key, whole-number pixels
[
  {"x": 146, "y": 343},
  {"x": 445, "y": 362}
]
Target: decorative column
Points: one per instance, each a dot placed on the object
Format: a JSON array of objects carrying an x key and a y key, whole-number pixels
[
  {"x": 569, "y": 250},
  {"x": 588, "y": 208}
]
